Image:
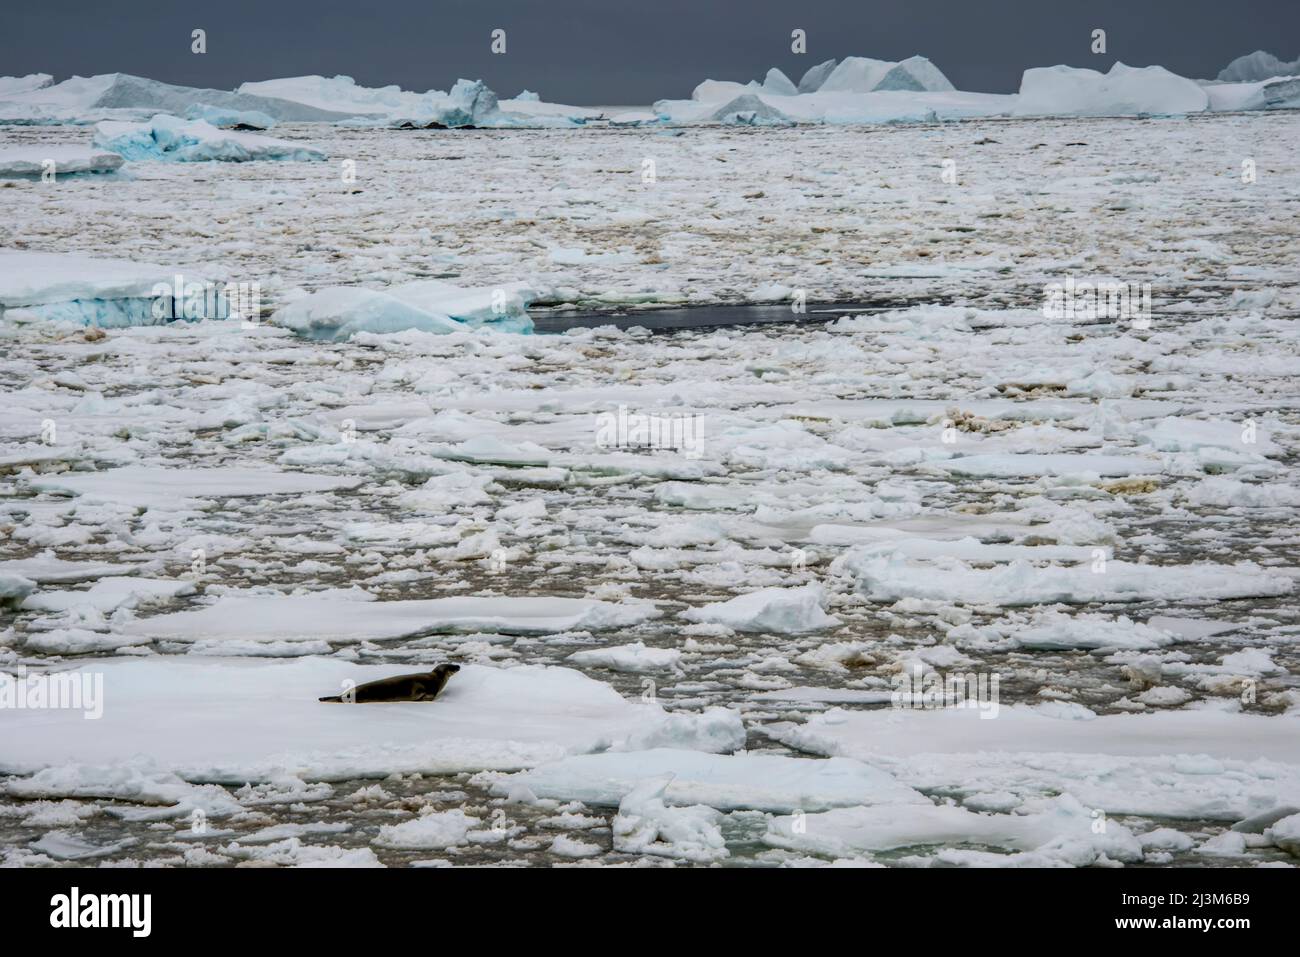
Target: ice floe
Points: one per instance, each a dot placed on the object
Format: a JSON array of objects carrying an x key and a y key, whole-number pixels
[
  {"x": 236, "y": 721},
  {"x": 424, "y": 306},
  {"x": 146, "y": 485},
  {"x": 309, "y": 619},
  {"x": 1185, "y": 763},
  {"x": 753, "y": 780},
  {"x": 777, "y": 610},
  {"x": 889, "y": 578},
  {"x": 1061, "y": 832}
]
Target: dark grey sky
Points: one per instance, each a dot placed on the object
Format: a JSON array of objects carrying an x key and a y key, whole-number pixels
[{"x": 624, "y": 51}]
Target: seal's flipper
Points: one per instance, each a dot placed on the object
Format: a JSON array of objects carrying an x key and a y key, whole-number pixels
[{"x": 336, "y": 697}]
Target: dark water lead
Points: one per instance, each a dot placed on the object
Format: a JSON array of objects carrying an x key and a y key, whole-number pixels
[{"x": 672, "y": 318}]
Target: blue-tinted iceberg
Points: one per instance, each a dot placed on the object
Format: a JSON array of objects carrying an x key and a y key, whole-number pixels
[
  {"x": 70, "y": 287},
  {"x": 188, "y": 141}
]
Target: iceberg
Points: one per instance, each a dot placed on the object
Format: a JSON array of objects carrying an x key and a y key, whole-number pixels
[
  {"x": 1124, "y": 91},
  {"x": 916, "y": 74},
  {"x": 9, "y": 85},
  {"x": 188, "y": 141},
  {"x": 856, "y": 74},
  {"x": 31, "y": 161},
  {"x": 1282, "y": 94},
  {"x": 857, "y": 90},
  {"x": 749, "y": 110},
  {"x": 1258, "y": 66},
  {"x": 337, "y": 93},
  {"x": 230, "y": 119},
  {"x": 469, "y": 103},
  {"x": 261, "y": 104},
  {"x": 123, "y": 96},
  {"x": 635, "y": 118},
  {"x": 71, "y": 287},
  {"x": 717, "y": 101},
  {"x": 778, "y": 84},
  {"x": 815, "y": 76},
  {"x": 339, "y": 312},
  {"x": 471, "y": 100}
]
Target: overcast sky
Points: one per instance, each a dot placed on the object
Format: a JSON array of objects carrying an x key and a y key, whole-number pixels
[{"x": 624, "y": 51}]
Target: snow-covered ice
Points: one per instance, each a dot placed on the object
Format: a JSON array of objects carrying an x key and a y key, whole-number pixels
[
  {"x": 308, "y": 618},
  {"x": 239, "y": 721}
]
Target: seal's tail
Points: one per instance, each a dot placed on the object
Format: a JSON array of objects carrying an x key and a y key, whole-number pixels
[{"x": 337, "y": 697}]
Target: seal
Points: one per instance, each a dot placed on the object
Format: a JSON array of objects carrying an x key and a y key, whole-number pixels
[{"x": 422, "y": 687}]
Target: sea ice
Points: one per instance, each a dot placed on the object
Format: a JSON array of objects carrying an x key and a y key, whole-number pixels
[
  {"x": 1184, "y": 763},
  {"x": 778, "y": 610},
  {"x": 340, "y": 312},
  {"x": 237, "y": 720},
  {"x": 645, "y": 824},
  {"x": 311, "y": 618},
  {"x": 889, "y": 578},
  {"x": 152, "y": 486},
  {"x": 754, "y": 780}
]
